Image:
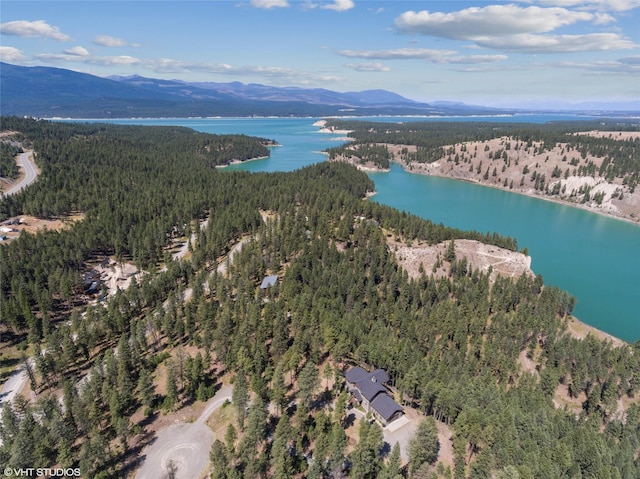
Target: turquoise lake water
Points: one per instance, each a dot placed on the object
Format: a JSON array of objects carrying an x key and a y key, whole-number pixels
[{"x": 595, "y": 258}]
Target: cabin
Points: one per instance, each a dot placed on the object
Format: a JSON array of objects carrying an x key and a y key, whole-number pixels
[{"x": 369, "y": 390}]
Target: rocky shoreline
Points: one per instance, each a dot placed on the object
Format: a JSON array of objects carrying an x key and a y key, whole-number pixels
[{"x": 507, "y": 164}]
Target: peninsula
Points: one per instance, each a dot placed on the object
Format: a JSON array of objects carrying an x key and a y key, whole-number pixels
[{"x": 595, "y": 166}]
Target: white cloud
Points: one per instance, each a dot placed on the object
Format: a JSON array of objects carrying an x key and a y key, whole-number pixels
[
  {"x": 168, "y": 65},
  {"x": 433, "y": 56},
  {"x": 515, "y": 29},
  {"x": 493, "y": 20},
  {"x": 602, "y": 5},
  {"x": 108, "y": 41},
  {"x": 80, "y": 51},
  {"x": 368, "y": 67},
  {"x": 269, "y": 3},
  {"x": 38, "y": 28},
  {"x": 398, "y": 54},
  {"x": 623, "y": 66},
  {"x": 527, "y": 43},
  {"x": 92, "y": 60},
  {"x": 340, "y": 5},
  {"x": 11, "y": 55},
  {"x": 474, "y": 59}
]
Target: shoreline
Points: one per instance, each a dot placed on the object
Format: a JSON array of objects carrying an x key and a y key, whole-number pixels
[
  {"x": 627, "y": 212},
  {"x": 580, "y": 330},
  {"x": 422, "y": 171},
  {"x": 404, "y": 166},
  {"x": 240, "y": 162}
]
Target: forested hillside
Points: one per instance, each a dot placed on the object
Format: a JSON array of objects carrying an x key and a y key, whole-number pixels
[
  {"x": 453, "y": 346},
  {"x": 588, "y": 163},
  {"x": 8, "y": 166}
]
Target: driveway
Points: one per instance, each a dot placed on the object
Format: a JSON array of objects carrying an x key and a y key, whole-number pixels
[
  {"x": 401, "y": 431},
  {"x": 186, "y": 444}
]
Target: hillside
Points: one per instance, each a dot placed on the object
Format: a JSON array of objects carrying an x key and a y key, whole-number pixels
[
  {"x": 482, "y": 365},
  {"x": 593, "y": 165}
]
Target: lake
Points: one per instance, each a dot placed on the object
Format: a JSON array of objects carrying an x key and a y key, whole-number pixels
[{"x": 595, "y": 258}]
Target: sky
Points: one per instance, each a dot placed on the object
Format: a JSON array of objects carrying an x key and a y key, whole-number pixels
[{"x": 523, "y": 53}]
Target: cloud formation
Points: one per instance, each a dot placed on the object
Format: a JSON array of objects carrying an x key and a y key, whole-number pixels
[
  {"x": 622, "y": 66},
  {"x": 269, "y": 3},
  {"x": 340, "y": 5},
  {"x": 398, "y": 54},
  {"x": 515, "y": 29},
  {"x": 368, "y": 67},
  {"x": 11, "y": 55},
  {"x": 493, "y": 21},
  {"x": 526, "y": 43},
  {"x": 108, "y": 41},
  {"x": 74, "y": 55},
  {"x": 601, "y": 5},
  {"x": 429, "y": 55},
  {"x": 80, "y": 51},
  {"x": 169, "y": 65},
  {"x": 37, "y": 28}
]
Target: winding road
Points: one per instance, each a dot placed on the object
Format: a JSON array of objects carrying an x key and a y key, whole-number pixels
[
  {"x": 24, "y": 161},
  {"x": 18, "y": 378},
  {"x": 187, "y": 445}
]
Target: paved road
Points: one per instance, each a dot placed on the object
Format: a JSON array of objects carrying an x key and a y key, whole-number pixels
[
  {"x": 25, "y": 161},
  {"x": 13, "y": 385},
  {"x": 186, "y": 444}
]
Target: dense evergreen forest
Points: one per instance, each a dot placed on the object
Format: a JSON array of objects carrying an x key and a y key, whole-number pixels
[
  {"x": 8, "y": 167},
  {"x": 451, "y": 346},
  {"x": 621, "y": 158}
]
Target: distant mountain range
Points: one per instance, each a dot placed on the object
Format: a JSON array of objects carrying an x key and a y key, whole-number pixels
[
  {"x": 47, "y": 92},
  {"x": 54, "y": 92}
]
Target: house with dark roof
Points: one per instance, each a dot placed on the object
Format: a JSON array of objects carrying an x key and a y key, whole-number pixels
[{"x": 368, "y": 388}]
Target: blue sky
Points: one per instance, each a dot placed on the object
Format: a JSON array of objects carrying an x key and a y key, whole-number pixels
[{"x": 519, "y": 53}]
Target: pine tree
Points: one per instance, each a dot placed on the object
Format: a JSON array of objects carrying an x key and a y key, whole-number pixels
[
  {"x": 424, "y": 445},
  {"x": 171, "y": 398},
  {"x": 393, "y": 467},
  {"x": 146, "y": 390},
  {"x": 240, "y": 397},
  {"x": 278, "y": 388},
  {"x": 307, "y": 383}
]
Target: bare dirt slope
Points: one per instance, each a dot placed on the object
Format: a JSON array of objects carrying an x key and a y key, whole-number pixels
[
  {"x": 520, "y": 167},
  {"x": 479, "y": 256}
]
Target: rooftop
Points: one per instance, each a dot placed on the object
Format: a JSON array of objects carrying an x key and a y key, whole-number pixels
[{"x": 269, "y": 281}]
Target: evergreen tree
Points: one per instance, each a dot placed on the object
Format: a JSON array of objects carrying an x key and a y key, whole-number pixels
[
  {"x": 424, "y": 445},
  {"x": 307, "y": 382},
  {"x": 171, "y": 399},
  {"x": 146, "y": 390},
  {"x": 240, "y": 397}
]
